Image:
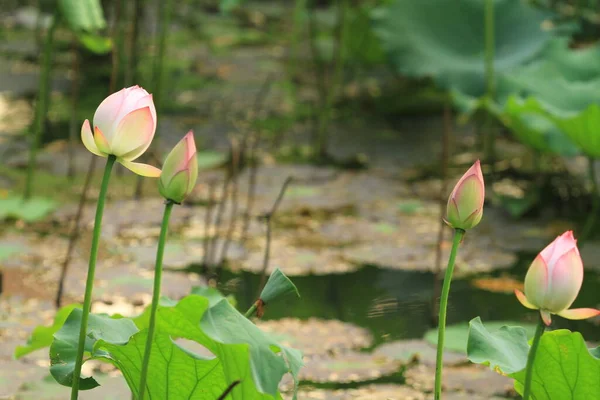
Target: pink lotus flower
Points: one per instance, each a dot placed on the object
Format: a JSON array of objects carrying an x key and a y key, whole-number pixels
[
  {"x": 554, "y": 280},
  {"x": 124, "y": 126},
  {"x": 465, "y": 204},
  {"x": 180, "y": 171}
]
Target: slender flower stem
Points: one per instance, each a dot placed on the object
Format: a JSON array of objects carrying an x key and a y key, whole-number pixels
[
  {"x": 89, "y": 285},
  {"x": 155, "y": 295},
  {"x": 490, "y": 82},
  {"x": 251, "y": 310},
  {"x": 591, "y": 221},
  {"x": 458, "y": 236},
  {"x": 531, "y": 358}
]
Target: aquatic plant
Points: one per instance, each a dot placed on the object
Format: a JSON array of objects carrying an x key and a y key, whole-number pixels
[
  {"x": 464, "y": 211},
  {"x": 124, "y": 125},
  {"x": 176, "y": 182},
  {"x": 565, "y": 368}
]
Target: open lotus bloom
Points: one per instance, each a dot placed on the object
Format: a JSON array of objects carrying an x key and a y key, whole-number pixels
[
  {"x": 554, "y": 279},
  {"x": 180, "y": 170},
  {"x": 124, "y": 126},
  {"x": 465, "y": 204}
]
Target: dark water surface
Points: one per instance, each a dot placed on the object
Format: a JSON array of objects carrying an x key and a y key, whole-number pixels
[{"x": 395, "y": 304}]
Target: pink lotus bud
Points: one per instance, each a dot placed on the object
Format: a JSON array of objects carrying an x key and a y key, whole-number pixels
[
  {"x": 554, "y": 280},
  {"x": 465, "y": 205},
  {"x": 180, "y": 171},
  {"x": 124, "y": 126}
]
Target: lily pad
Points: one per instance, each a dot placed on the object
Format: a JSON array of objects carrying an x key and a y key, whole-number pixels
[
  {"x": 318, "y": 337},
  {"x": 469, "y": 378},
  {"x": 420, "y": 351},
  {"x": 348, "y": 367}
]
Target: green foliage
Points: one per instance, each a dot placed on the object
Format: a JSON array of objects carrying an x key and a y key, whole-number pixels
[
  {"x": 86, "y": 18},
  {"x": 535, "y": 129},
  {"x": 213, "y": 295},
  {"x": 42, "y": 336},
  {"x": 238, "y": 350},
  {"x": 457, "y": 335},
  {"x": 95, "y": 43},
  {"x": 63, "y": 350},
  {"x": 505, "y": 348},
  {"x": 580, "y": 127},
  {"x": 564, "y": 368},
  {"x": 31, "y": 210},
  {"x": 83, "y": 15},
  {"x": 278, "y": 285},
  {"x": 445, "y": 39},
  {"x": 360, "y": 44}
]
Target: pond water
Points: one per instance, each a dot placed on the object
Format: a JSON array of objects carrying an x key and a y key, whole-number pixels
[{"x": 396, "y": 304}]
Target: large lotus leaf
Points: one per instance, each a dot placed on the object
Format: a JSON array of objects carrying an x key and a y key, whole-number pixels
[
  {"x": 580, "y": 127},
  {"x": 560, "y": 96},
  {"x": 43, "y": 336},
  {"x": 240, "y": 351},
  {"x": 63, "y": 350},
  {"x": 535, "y": 129},
  {"x": 504, "y": 349},
  {"x": 445, "y": 39},
  {"x": 579, "y": 64},
  {"x": 564, "y": 368},
  {"x": 457, "y": 335}
]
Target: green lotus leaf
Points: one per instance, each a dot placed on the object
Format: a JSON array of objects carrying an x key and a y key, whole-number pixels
[
  {"x": 445, "y": 39},
  {"x": 535, "y": 129}
]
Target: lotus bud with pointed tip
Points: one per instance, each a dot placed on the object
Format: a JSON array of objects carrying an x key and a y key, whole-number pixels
[
  {"x": 123, "y": 126},
  {"x": 554, "y": 279},
  {"x": 180, "y": 171},
  {"x": 465, "y": 204}
]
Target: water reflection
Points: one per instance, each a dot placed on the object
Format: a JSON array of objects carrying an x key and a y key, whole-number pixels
[{"x": 395, "y": 304}]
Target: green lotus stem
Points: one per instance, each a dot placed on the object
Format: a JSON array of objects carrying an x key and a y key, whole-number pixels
[
  {"x": 155, "y": 295},
  {"x": 490, "y": 83},
  {"x": 41, "y": 108},
  {"x": 591, "y": 221},
  {"x": 89, "y": 284},
  {"x": 251, "y": 311},
  {"x": 531, "y": 358},
  {"x": 458, "y": 236}
]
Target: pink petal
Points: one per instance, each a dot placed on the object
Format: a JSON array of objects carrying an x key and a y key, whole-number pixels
[
  {"x": 147, "y": 101},
  {"x": 476, "y": 171},
  {"x": 87, "y": 137},
  {"x": 536, "y": 282},
  {"x": 546, "y": 317},
  {"x": 523, "y": 300},
  {"x": 469, "y": 196},
  {"x": 141, "y": 169},
  {"x": 131, "y": 98},
  {"x": 134, "y": 134},
  {"x": 101, "y": 141},
  {"x": 558, "y": 247},
  {"x": 579, "y": 313},
  {"x": 107, "y": 111},
  {"x": 565, "y": 281}
]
